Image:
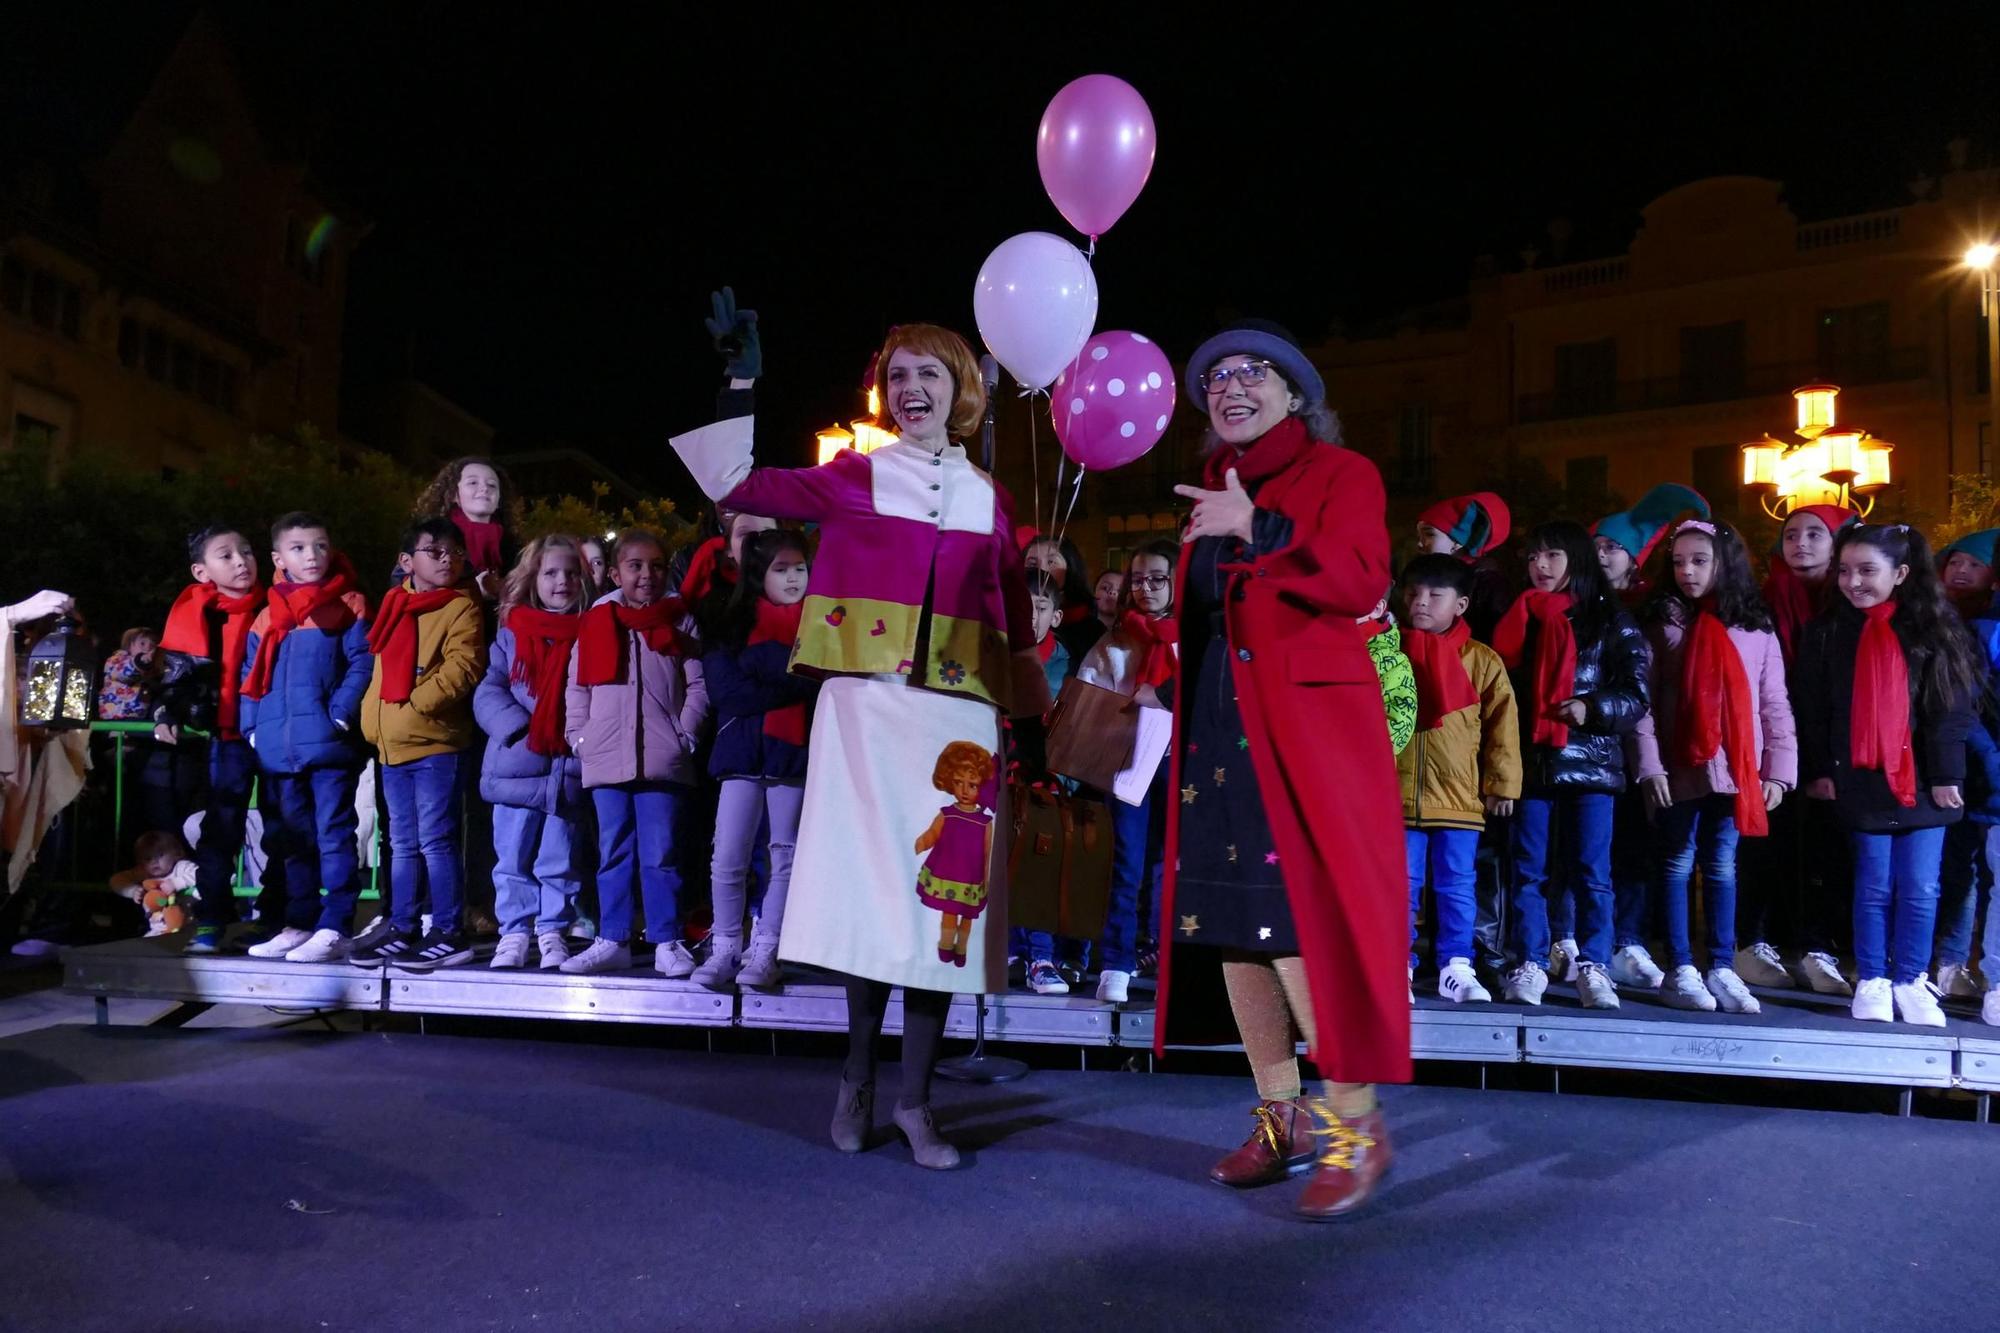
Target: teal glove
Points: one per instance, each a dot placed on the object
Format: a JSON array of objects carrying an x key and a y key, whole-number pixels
[{"x": 735, "y": 334}]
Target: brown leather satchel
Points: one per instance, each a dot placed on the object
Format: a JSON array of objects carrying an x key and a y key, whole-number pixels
[
  {"x": 1091, "y": 730},
  {"x": 1059, "y": 863}
]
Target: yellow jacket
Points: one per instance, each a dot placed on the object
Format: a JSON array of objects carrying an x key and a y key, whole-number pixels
[
  {"x": 438, "y": 716},
  {"x": 1472, "y": 754}
]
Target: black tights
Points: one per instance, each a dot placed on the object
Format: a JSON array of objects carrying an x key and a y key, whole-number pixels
[{"x": 923, "y": 1034}]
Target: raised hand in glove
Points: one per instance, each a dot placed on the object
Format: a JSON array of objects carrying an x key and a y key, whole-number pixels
[{"x": 735, "y": 334}]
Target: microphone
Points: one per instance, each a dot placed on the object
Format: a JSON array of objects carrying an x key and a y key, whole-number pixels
[{"x": 989, "y": 373}]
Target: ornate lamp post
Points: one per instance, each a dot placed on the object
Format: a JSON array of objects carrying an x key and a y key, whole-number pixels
[{"x": 1831, "y": 464}]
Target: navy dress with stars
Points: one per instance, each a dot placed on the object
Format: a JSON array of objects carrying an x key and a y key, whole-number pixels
[{"x": 1231, "y": 891}]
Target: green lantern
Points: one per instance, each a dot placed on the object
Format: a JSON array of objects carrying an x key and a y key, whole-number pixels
[{"x": 60, "y": 692}]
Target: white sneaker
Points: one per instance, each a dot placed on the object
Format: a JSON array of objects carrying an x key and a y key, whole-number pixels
[
  {"x": 1525, "y": 984},
  {"x": 1872, "y": 1001},
  {"x": 511, "y": 952},
  {"x": 602, "y": 956},
  {"x": 1562, "y": 961},
  {"x": 1683, "y": 990},
  {"x": 280, "y": 944},
  {"x": 1957, "y": 981},
  {"x": 1633, "y": 966},
  {"x": 1822, "y": 974},
  {"x": 1114, "y": 987},
  {"x": 553, "y": 948},
  {"x": 324, "y": 946},
  {"x": 674, "y": 961},
  {"x": 1730, "y": 992},
  {"x": 1410, "y": 979},
  {"x": 760, "y": 966},
  {"x": 1759, "y": 965},
  {"x": 719, "y": 969},
  {"x": 1917, "y": 1002},
  {"x": 1989, "y": 1008},
  {"x": 1460, "y": 984},
  {"x": 1594, "y": 987}
]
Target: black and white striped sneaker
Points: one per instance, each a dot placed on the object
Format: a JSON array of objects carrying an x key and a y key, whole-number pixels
[
  {"x": 380, "y": 943},
  {"x": 438, "y": 948}
]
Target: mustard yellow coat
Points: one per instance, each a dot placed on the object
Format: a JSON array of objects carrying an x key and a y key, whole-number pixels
[
  {"x": 438, "y": 717},
  {"x": 1448, "y": 771}
]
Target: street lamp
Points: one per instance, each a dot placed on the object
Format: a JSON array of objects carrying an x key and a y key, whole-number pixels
[
  {"x": 1841, "y": 465},
  {"x": 862, "y": 435},
  {"x": 1984, "y": 259}
]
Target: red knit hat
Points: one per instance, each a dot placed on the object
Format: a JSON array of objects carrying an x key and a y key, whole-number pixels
[
  {"x": 1835, "y": 517},
  {"x": 1475, "y": 523}
]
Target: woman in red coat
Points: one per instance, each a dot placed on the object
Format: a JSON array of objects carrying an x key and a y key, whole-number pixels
[{"x": 1284, "y": 841}]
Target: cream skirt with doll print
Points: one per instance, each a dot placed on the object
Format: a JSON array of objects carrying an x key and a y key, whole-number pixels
[{"x": 900, "y": 870}]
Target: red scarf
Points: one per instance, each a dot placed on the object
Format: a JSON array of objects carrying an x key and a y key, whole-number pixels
[
  {"x": 542, "y": 642},
  {"x": 780, "y": 624},
  {"x": 1554, "y": 678},
  {"x": 1154, "y": 641},
  {"x": 1715, "y": 714},
  {"x": 482, "y": 542},
  {"x": 1879, "y": 724},
  {"x": 600, "y": 643},
  {"x": 1268, "y": 455},
  {"x": 1792, "y": 601},
  {"x": 709, "y": 562},
  {"x": 187, "y": 632},
  {"x": 290, "y": 605},
  {"x": 1046, "y": 648},
  {"x": 1443, "y": 684},
  {"x": 393, "y": 636}
]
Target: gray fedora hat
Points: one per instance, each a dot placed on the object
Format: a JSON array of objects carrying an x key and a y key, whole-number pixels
[{"x": 1261, "y": 338}]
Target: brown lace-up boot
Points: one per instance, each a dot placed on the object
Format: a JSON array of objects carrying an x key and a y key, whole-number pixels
[
  {"x": 1353, "y": 1156},
  {"x": 1279, "y": 1146}
]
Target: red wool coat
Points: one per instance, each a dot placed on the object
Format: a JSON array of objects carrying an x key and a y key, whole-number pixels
[{"x": 1319, "y": 742}]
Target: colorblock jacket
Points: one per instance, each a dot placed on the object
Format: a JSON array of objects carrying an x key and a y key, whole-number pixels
[{"x": 311, "y": 717}]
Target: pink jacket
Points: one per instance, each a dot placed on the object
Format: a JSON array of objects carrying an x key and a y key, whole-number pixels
[
  {"x": 643, "y": 727},
  {"x": 1777, "y": 738}
]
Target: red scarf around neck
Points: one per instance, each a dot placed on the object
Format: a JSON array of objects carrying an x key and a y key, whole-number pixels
[
  {"x": 1046, "y": 648},
  {"x": 1154, "y": 642},
  {"x": 709, "y": 562},
  {"x": 542, "y": 642},
  {"x": 482, "y": 542},
  {"x": 600, "y": 644},
  {"x": 1554, "y": 675},
  {"x": 1716, "y": 714},
  {"x": 187, "y": 632},
  {"x": 393, "y": 636},
  {"x": 1879, "y": 723},
  {"x": 290, "y": 605},
  {"x": 780, "y": 624},
  {"x": 1268, "y": 455},
  {"x": 1443, "y": 684},
  {"x": 1793, "y": 602}
]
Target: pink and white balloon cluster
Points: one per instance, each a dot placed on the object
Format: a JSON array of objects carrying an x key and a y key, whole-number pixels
[{"x": 1036, "y": 297}]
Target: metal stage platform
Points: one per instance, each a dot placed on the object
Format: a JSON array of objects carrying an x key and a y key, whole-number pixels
[{"x": 1798, "y": 1036}]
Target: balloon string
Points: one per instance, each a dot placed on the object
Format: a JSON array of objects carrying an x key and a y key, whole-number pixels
[
  {"x": 1062, "y": 528},
  {"x": 1034, "y": 462},
  {"x": 1092, "y": 252}
]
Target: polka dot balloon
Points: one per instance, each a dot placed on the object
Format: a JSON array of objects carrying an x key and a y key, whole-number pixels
[{"x": 1113, "y": 403}]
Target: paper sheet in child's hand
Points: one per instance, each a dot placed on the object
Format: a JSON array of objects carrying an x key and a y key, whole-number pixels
[{"x": 1149, "y": 746}]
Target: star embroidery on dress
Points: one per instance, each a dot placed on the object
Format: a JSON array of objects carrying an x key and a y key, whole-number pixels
[
  {"x": 1221, "y": 776},
  {"x": 1194, "y": 749},
  {"x": 1190, "y": 924},
  {"x": 1188, "y": 794},
  {"x": 1242, "y": 742},
  {"x": 1270, "y": 858},
  {"x": 1231, "y": 849},
  {"x": 1263, "y": 932}
]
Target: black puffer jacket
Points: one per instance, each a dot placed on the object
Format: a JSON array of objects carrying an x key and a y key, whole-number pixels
[
  {"x": 1823, "y": 702},
  {"x": 1611, "y": 680}
]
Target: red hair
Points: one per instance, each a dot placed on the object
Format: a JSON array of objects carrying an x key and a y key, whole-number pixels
[{"x": 968, "y": 399}]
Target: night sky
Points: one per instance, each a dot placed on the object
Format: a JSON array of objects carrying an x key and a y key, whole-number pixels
[{"x": 555, "y": 192}]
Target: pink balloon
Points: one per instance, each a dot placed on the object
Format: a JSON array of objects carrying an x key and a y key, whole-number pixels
[
  {"x": 1095, "y": 150},
  {"x": 1114, "y": 404}
]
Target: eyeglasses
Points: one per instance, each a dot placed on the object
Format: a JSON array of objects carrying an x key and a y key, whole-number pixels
[
  {"x": 437, "y": 552},
  {"x": 1248, "y": 374},
  {"x": 1155, "y": 582}
]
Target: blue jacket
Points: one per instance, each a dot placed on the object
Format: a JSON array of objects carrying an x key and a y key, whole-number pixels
[
  {"x": 311, "y": 716},
  {"x": 513, "y": 774},
  {"x": 1982, "y": 743},
  {"x": 743, "y": 685}
]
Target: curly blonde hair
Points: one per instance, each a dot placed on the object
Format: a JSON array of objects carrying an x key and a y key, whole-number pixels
[
  {"x": 438, "y": 498},
  {"x": 961, "y": 761},
  {"x": 520, "y": 588}
]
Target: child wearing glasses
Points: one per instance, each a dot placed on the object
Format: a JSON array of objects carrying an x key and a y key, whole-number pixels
[
  {"x": 418, "y": 714},
  {"x": 1140, "y": 657}
]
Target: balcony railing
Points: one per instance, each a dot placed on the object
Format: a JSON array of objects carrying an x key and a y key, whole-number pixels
[
  {"x": 1848, "y": 231},
  {"x": 1899, "y": 364}
]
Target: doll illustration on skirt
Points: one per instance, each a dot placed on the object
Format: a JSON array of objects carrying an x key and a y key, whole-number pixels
[{"x": 960, "y": 843}]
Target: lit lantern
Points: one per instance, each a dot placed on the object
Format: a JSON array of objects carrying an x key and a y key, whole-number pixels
[
  {"x": 1816, "y": 409},
  {"x": 61, "y": 687},
  {"x": 831, "y": 441},
  {"x": 1760, "y": 464},
  {"x": 1873, "y": 469},
  {"x": 1842, "y": 449}
]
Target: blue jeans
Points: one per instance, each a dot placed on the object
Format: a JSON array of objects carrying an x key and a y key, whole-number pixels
[
  {"x": 1631, "y": 871},
  {"x": 309, "y": 829},
  {"x": 1138, "y": 854},
  {"x": 1584, "y": 831},
  {"x": 1895, "y": 901},
  {"x": 1448, "y": 854},
  {"x": 1990, "y": 942},
  {"x": 1965, "y": 880},
  {"x": 1701, "y": 831},
  {"x": 635, "y": 842},
  {"x": 535, "y": 872},
  {"x": 422, "y": 796},
  {"x": 232, "y": 773}
]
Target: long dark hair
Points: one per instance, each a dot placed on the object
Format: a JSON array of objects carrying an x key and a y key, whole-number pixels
[
  {"x": 1168, "y": 550},
  {"x": 1593, "y": 608},
  {"x": 730, "y": 618},
  {"x": 1945, "y": 665},
  {"x": 1736, "y": 599}
]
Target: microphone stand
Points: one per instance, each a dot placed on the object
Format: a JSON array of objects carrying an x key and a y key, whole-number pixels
[{"x": 986, "y": 432}]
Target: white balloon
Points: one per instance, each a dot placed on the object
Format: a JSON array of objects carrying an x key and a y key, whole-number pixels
[{"x": 1035, "y": 302}]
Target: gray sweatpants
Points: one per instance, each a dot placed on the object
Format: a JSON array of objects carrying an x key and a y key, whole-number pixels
[{"x": 739, "y": 814}]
